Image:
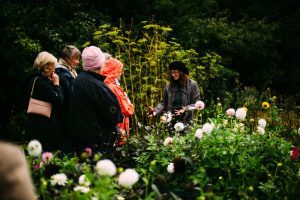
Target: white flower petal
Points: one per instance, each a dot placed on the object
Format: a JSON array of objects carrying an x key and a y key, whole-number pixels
[{"x": 82, "y": 189}]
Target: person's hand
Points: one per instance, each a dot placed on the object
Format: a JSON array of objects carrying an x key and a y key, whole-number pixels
[
  {"x": 180, "y": 111},
  {"x": 151, "y": 112},
  {"x": 55, "y": 79}
]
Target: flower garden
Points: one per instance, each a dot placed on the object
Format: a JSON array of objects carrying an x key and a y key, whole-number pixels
[
  {"x": 244, "y": 140},
  {"x": 225, "y": 153}
]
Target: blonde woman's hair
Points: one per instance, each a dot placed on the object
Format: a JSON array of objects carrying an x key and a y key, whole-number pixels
[{"x": 43, "y": 60}]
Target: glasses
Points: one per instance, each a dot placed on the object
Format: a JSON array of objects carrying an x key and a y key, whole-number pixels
[{"x": 174, "y": 72}]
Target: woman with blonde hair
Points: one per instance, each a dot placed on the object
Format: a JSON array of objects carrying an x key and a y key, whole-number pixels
[{"x": 43, "y": 85}]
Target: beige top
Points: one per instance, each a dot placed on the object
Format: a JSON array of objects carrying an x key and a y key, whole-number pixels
[
  {"x": 15, "y": 180},
  {"x": 62, "y": 63}
]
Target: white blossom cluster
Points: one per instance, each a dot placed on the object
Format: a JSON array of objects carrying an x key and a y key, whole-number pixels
[
  {"x": 59, "y": 179},
  {"x": 179, "y": 126},
  {"x": 170, "y": 168},
  {"x": 168, "y": 141},
  {"x": 261, "y": 126},
  {"x": 241, "y": 114},
  {"x": 34, "y": 148},
  {"x": 166, "y": 118},
  {"x": 239, "y": 128},
  {"x": 128, "y": 178},
  {"x": 107, "y": 168}
]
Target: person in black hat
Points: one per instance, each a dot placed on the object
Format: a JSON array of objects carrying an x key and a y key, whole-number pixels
[{"x": 180, "y": 94}]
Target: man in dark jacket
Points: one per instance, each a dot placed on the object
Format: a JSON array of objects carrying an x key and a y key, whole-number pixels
[{"x": 94, "y": 109}]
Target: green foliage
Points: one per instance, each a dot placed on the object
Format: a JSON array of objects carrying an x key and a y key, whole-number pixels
[
  {"x": 230, "y": 162},
  {"x": 239, "y": 43},
  {"x": 146, "y": 52},
  {"x": 27, "y": 29},
  {"x": 233, "y": 161}
]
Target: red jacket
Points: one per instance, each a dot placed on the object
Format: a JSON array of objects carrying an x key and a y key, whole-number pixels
[{"x": 112, "y": 70}]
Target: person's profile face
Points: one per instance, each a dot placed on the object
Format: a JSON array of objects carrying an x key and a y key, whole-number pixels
[
  {"x": 175, "y": 74},
  {"x": 49, "y": 70},
  {"x": 74, "y": 61}
]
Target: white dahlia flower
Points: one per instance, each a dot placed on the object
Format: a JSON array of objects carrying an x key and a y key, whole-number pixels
[
  {"x": 199, "y": 133},
  {"x": 128, "y": 178},
  {"x": 260, "y": 130},
  {"x": 34, "y": 148},
  {"x": 230, "y": 112},
  {"x": 168, "y": 141},
  {"x": 207, "y": 128},
  {"x": 241, "y": 113},
  {"x": 106, "y": 167},
  {"x": 262, "y": 123},
  {"x": 84, "y": 181},
  {"x": 179, "y": 126},
  {"x": 170, "y": 168},
  {"x": 199, "y": 105},
  {"x": 59, "y": 179}
]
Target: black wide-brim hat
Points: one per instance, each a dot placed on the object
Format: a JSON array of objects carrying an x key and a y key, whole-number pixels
[{"x": 178, "y": 65}]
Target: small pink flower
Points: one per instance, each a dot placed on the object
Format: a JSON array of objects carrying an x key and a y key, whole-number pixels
[
  {"x": 89, "y": 151},
  {"x": 294, "y": 153},
  {"x": 230, "y": 112},
  {"x": 38, "y": 166},
  {"x": 47, "y": 156},
  {"x": 199, "y": 105}
]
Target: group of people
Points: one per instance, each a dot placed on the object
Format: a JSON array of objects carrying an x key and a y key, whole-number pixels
[{"x": 90, "y": 109}]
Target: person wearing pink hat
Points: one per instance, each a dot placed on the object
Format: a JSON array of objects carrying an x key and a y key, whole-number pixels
[{"x": 95, "y": 110}]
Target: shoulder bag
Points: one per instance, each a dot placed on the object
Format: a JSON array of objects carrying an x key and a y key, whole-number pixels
[{"x": 37, "y": 106}]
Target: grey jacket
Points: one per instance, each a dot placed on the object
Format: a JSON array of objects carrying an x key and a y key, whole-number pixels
[{"x": 190, "y": 95}]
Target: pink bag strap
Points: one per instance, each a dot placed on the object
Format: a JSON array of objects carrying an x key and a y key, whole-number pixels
[{"x": 33, "y": 86}]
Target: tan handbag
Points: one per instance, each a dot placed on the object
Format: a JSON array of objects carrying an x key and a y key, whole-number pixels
[{"x": 37, "y": 106}]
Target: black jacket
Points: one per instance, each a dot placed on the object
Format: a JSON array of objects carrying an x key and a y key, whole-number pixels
[
  {"x": 46, "y": 130},
  {"x": 65, "y": 81},
  {"x": 94, "y": 113}
]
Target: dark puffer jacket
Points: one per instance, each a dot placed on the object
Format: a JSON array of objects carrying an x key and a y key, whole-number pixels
[
  {"x": 65, "y": 80},
  {"x": 94, "y": 113}
]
